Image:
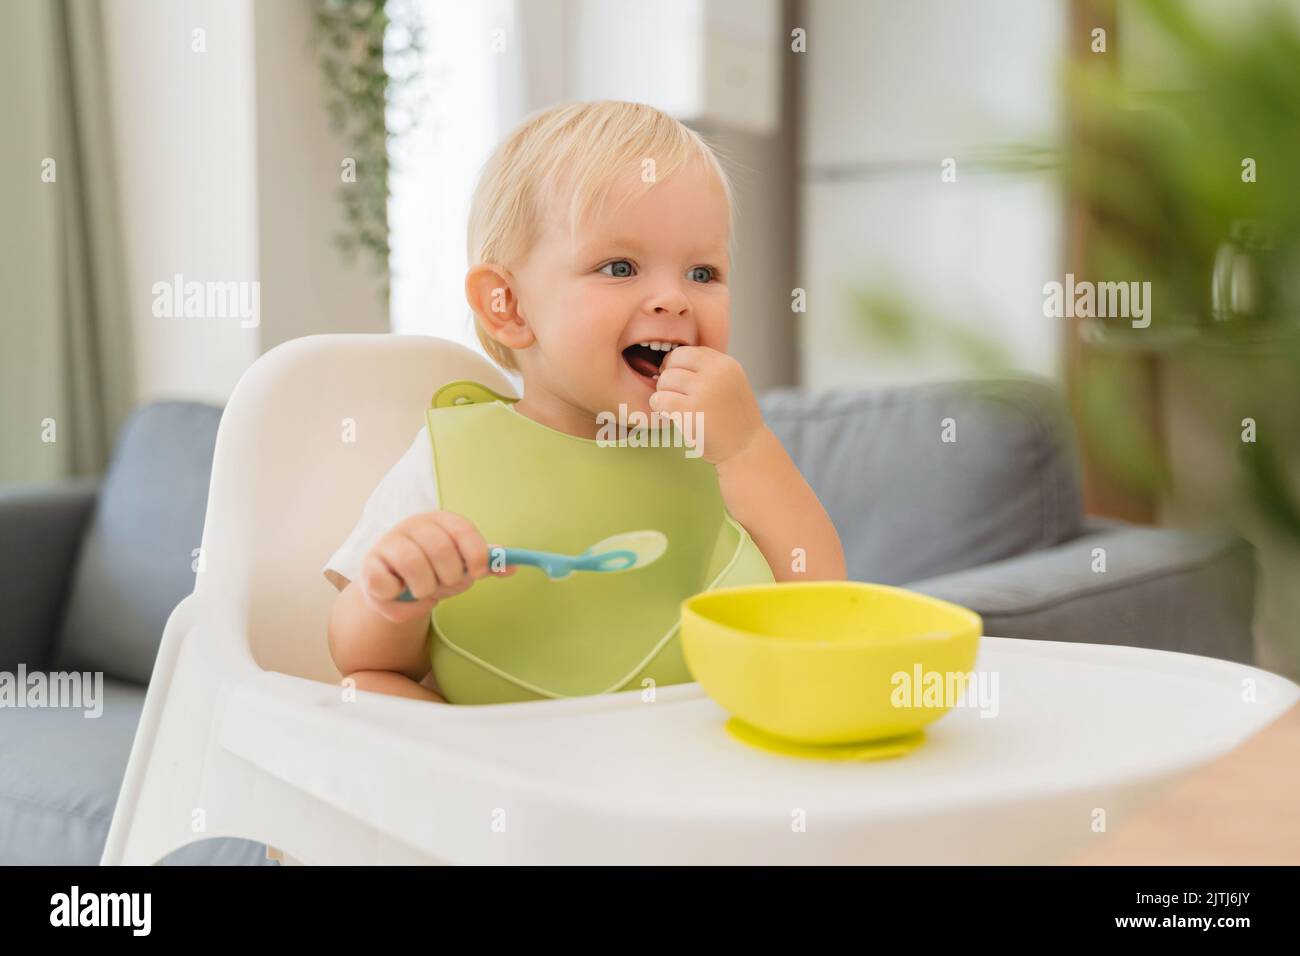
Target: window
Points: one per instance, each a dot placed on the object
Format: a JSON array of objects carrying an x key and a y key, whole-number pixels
[{"x": 466, "y": 96}]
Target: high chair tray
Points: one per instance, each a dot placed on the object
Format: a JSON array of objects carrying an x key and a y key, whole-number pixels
[{"x": 1083, "y": 735}]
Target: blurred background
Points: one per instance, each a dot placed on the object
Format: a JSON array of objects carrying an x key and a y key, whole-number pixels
[{"x": 910, "y": 178}]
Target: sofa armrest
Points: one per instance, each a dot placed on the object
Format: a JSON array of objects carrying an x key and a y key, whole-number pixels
[
  {"x": 1169, "y": 590},
  {"x": 41, "y": 527}
]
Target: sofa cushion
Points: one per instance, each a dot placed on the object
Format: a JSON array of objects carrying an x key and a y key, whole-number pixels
[
  {"x": 909, "y": 505},
  {"x": 1192, "y": 592},
  {"x": 136, "y": 562},
  {"x": 60, "y": 773}
]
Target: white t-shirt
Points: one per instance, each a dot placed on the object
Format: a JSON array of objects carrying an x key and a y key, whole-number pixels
[{"x": 409, "y": 488}]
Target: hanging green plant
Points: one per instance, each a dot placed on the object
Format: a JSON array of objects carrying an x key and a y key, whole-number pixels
[{"x": 367, "y": 51}]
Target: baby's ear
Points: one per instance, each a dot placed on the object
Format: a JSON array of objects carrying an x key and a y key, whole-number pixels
[{"x": 490, "y": 293}]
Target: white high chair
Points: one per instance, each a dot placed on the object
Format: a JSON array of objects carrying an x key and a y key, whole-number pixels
[
  {"x": 246, "y": 733},
  {"x": 308, "y": 432}
]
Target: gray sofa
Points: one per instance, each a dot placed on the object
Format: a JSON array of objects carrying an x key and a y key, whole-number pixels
[{"x": 89, "y": 571}]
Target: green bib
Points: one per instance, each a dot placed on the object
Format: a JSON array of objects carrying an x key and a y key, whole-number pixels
[{"x": 526, "y": 485}]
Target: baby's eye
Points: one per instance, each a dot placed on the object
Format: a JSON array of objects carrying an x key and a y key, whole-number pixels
[
  {"x": 622, "y": 267},
  {"x": 703, "y": 273}
]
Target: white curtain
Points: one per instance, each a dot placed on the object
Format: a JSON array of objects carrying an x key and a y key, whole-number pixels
[{"x": 66, "y": 359}]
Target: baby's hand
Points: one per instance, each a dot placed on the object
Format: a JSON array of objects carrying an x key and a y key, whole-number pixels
[
  {"x": 436, "y": 555},
  {"x": 696, "y": 378}
]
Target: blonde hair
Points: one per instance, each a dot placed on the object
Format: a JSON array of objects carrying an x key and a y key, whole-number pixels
[{"x": 577, "y": 151}]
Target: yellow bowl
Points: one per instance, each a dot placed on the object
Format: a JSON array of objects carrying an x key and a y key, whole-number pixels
[{"x": 829, "y": 662}]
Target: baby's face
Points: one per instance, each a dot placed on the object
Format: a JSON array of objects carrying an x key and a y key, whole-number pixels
[{"x": 654, "y": 270}]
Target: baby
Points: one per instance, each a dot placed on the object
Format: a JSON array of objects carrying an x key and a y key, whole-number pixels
[{"x": 601, "y": 237}]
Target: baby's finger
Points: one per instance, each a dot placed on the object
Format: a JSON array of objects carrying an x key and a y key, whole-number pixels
[
  {"x": 677, "y": 380},
  {"x": 665, "y": 401},
  {"x": 410, "y": 563},
  {"x": 469, "y": 541},
  {"x": 686, "y": 357},
  {"x": 378, "y": 580},
  {"x": 465, "y": 584},
  {"x": 441, "y": 552}
]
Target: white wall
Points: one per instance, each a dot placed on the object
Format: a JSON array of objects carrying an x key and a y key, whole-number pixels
[
  {"x": 229, "y": 173},
  {"x": 185, "y": 154},
  {"x": 308, "y": 287},
  {"x": 891, "y": 91}
]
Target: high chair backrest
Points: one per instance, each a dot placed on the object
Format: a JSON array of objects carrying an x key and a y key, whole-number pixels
[{"x": 309, "y": 431}]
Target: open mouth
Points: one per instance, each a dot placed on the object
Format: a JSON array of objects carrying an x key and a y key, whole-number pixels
[{"x": 646, "y": 358}]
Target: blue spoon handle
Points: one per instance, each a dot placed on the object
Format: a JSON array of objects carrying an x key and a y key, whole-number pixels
[
  {"x": 560, "y": 565},
  {"x": 556, "y": 565}
]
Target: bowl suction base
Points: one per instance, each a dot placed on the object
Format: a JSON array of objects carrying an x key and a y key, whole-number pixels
[{"x": 862, "y": 750}]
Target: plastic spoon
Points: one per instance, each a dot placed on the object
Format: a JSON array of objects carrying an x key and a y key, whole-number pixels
[{"x": 623, "y": 552}]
